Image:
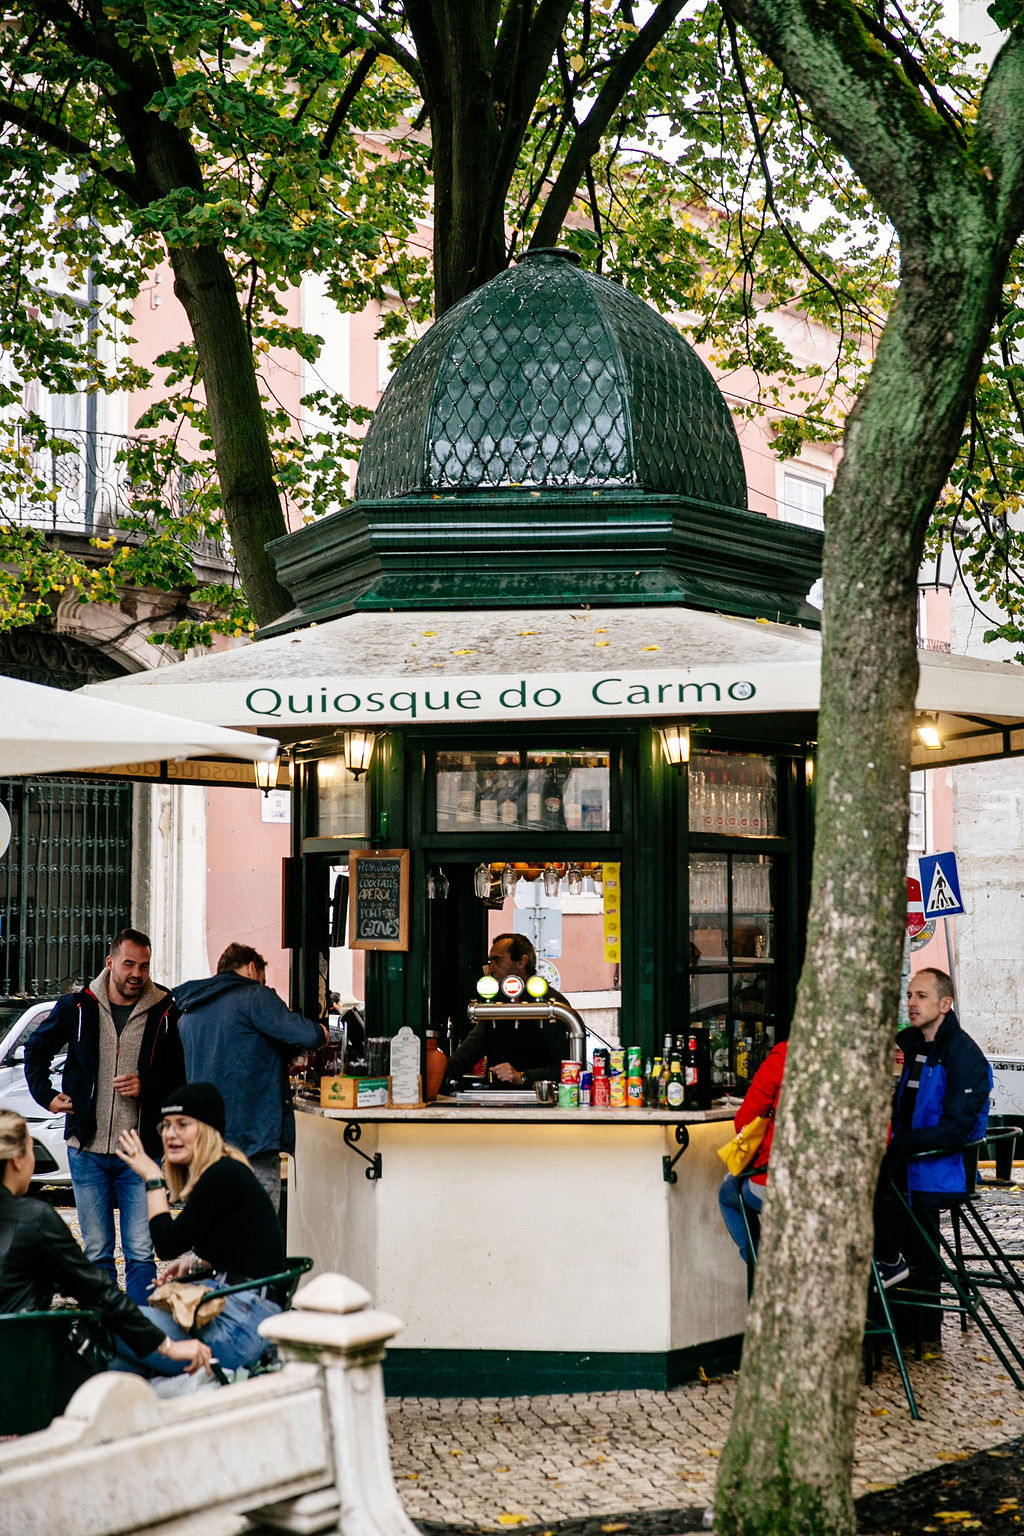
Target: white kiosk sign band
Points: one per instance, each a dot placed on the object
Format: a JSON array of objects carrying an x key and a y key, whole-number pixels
[{"x": 543, "y": 696}]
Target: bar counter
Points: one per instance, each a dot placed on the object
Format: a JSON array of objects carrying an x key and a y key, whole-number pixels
[{"x": 527, "y": 1248}]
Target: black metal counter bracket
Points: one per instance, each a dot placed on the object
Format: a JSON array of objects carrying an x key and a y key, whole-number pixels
[
  {"x": 668, "y": 1164},
  {"x": 353, "y": 1131}
]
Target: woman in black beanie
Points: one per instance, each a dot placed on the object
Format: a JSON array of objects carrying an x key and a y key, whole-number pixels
[{"x": 228, "y": 1230}]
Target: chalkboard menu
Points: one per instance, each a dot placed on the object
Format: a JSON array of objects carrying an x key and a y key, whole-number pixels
[{"x": 379, "y": 899}]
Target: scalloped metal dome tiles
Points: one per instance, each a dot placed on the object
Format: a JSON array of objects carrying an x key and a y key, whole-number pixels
[{"x": 551, "y": 378}]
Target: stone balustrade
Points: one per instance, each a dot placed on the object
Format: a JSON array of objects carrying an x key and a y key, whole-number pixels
[{"x": 303, "y": 1449}]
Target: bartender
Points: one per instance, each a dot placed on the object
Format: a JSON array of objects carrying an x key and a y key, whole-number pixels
[{"x": 528, "y": 1052}]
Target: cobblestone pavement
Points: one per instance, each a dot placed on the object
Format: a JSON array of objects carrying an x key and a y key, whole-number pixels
[{"x": 505, "y": 1462}]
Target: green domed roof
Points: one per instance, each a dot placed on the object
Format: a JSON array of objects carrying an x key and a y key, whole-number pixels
[{"x": 553, "y": 378}]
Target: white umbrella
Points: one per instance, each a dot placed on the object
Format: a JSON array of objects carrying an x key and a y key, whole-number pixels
[{"x": 50, "y": 731}]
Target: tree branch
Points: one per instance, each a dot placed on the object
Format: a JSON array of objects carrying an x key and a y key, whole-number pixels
[
  {"x": 69, "y": 144},
  {"x": 901, "y": 149},
  {"x": 587, "y": 138}
]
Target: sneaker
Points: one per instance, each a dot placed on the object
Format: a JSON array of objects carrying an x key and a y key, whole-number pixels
[{"x": 892, "y": 1271}]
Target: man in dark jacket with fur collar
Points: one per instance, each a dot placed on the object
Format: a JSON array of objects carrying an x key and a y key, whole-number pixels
[
  {"x": 124, "y": 1057},
  {"x": 238, "y": 1034}
]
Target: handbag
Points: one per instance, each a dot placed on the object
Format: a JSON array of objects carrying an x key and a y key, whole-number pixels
[
  {"x": 739, "y": 1153},
  {"x": 191, "y": 1305}
]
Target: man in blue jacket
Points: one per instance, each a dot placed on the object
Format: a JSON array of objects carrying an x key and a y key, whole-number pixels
[
  {"x": 238, "y": 1034},
  {"x": 941, "y": 1103}
]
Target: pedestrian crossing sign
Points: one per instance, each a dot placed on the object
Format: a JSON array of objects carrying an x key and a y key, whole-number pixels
[{"x": 940, "y": 884}]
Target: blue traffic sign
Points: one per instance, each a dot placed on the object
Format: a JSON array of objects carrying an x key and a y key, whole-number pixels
[{"x": 940, "y": 885}]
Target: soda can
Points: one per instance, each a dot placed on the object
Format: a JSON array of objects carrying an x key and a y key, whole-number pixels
[
  {"x": 571, "y": 1071},
  {"x": 568, "y": 1095},
  {"x": 602, "y": 1062},
  {"x": 634, "y": 1061},
  {"x": 618, "y": 1091},
  {"x": 586, "y": 1089},
  {"x": 635, "y": 1092},
  {"x": 602, "y": 1092},
  {"x": 618, "y": 1064}
]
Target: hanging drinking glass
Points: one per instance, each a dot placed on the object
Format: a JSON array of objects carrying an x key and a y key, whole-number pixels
[
  {"x": 509, "y": 876},
  {"x": 441, "y": 885},
  {"x": 597, "y": 880},
  {"x": 482, "y": 881},
  {"x": 552, "y": 880},
  {"x": 574, "y": 875},
  {"x": 431, "y": 885}
]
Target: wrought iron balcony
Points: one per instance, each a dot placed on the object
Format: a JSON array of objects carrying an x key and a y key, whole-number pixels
[{"x": 91, "y": 493}]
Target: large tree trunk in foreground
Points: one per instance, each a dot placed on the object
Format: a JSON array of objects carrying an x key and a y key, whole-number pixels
[{"x": 787, "y": 1465}]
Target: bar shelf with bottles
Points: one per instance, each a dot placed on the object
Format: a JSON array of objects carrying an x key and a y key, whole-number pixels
[{"x": 733, "y": 901}]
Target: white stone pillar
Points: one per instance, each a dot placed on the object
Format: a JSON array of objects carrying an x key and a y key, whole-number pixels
[{"x": 169, "y": 878}]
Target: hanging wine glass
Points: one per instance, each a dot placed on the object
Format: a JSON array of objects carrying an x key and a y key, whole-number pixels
[
  {"x": 552, "y": 880},
  {"x": 597, "y": 880},
  {"x": 482, "y": 881},
  {"x": 574, "y": 875},
  {"x": 509, "y": 876}
]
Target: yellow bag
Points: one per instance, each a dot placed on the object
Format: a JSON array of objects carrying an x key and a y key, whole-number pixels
[
  {"x": 187, "y": 1303},
  {"x": 739, "y": 1153}
]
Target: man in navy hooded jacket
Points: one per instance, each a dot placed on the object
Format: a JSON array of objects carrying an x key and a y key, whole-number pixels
[
  {"x": 941, "y": 1104},
  {"x": 238, "y": 1034}
]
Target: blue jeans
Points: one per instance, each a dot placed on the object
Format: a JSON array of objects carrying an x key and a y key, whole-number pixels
[
  {"x": 729, "y": 1204},
  {"x": 101, "y": 1181},
  {"x": 232, "y": 1336}
]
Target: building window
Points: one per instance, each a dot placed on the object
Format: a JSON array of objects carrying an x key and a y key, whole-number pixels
[
  {"x": 803, "y": 500},
  {"x": 918, "y": 834}
]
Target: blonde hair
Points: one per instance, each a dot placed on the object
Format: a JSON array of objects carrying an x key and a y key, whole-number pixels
[
  {"x": 13, "y": 1135},
  {"x": 209, "y": 1149}
]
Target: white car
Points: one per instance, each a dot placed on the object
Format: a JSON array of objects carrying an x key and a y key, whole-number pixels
[{"x": 47, "y": 1130}]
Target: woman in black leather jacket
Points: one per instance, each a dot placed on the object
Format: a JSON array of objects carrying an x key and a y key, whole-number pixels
[{"x": 38, "y": 1257}]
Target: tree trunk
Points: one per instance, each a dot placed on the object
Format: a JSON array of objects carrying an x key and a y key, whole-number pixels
[
  {"x": 787, "y": 1464},
  {"x": 245, "y": 467}
]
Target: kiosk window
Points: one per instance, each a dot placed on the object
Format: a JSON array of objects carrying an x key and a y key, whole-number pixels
[{"x": 535, "y": 791}]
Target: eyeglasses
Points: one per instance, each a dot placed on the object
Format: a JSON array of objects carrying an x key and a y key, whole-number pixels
[{"x": 179, "y": 1123}]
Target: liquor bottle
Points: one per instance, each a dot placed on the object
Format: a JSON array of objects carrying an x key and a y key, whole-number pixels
[
  {"x": 535, "y": 798},
  {"x": 489, "y": 801},
  {"x": 719, "y": 1054},
  {"x": 554, "y": 814},
  {"x": 465, "y": 802},
  {"x": 699, "y": 1046},
  {"x": 676, "y": 1091},
  {"x": 652, "y": 1082},
  {"x": 666, "y": 1056},
  {"x": 508, "y": 798}
]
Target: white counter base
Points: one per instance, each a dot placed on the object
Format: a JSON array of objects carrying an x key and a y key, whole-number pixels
[{"x": 527, "y": 1235}]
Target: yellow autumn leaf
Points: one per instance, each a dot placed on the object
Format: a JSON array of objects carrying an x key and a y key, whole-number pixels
[
  {"x": 599, "y": 643},
  {"x": 953, "y": 1514},
  {"x": 577, "y": 62},
  {"x": 951, "y": 1456},
  {"x": 650, "y": 647},
  {"x": 429, "y": 634},
  {"x": 507, "y": 1519},
  {"x": 468, "y": 652}
]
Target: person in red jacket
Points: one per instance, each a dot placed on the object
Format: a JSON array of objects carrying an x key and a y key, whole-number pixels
[{"x": 761, "y": 1098}]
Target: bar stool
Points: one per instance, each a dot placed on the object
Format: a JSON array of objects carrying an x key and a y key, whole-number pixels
[
  {"x": 878, "y": 1323},
  {"x": 970, "y": 1261}
]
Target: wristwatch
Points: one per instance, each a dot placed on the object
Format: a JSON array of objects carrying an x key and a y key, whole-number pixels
[{"x": 156, "y": 1184}]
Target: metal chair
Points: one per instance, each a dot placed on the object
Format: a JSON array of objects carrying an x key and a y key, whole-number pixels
[
  {"x": 44, "y": 1358},
  {"x": 876, "y": 1327},
  {"x": 969, "y": 1261}
]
